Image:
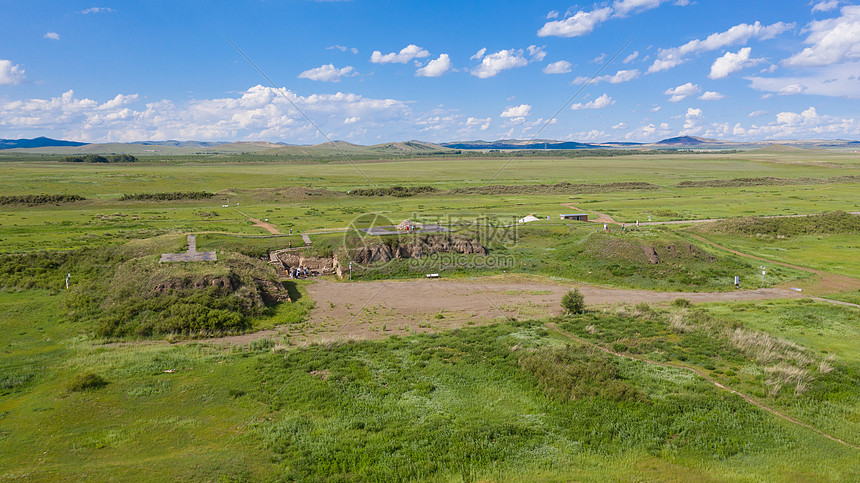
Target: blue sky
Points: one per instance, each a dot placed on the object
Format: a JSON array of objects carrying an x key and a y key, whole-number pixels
[{"x": 374, "y": 71}]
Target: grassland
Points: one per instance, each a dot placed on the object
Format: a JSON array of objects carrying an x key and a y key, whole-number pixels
[{"x": 504, "y": 400}]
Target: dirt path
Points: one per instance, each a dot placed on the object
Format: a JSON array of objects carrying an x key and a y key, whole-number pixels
[
  {"x": 262, "y": 224},
  {"x": 826, "y": 282},
  {"x": 601, "y": 217},
  {"x": 701, "y": 374}
]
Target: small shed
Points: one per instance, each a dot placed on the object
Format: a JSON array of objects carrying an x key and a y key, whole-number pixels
[
  {"x": 575, "y": 217},
  {"x": 528, "y": 219}
]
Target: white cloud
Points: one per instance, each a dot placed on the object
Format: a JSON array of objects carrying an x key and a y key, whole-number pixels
[
  {"x": 10, "y": 74},
  {"x": 482, "y": 123},
  {"x": 682, "y": 91},
  {"x": 599, "y": 59},
  {"x": 560, "y": 67},
  {"x": 494, "y": 63},
  {"x": 656, "y": 108},
  {"x": 806, "y": 124},
  {"x": 522, "y": 110},
  {"x": 327, "y": 73},
  {"x": 711, "y": 96},
  {"x": 435, "y": 68},
  {"x": 342, "y": 48},
  {"x": 479, "y": 54},
  {"x": 757, "y": 113},
  {"x": 649, "y": 132},
  {"x": 599, "y": 103},
  {"x": 617, "y": 78},
  {"x": 406, "y": 54},
  {"x": 730, "y": 62},
  {"x": 838, "y": 80},
  {"x": 552, "y": 14},
  {"x": 833, "y": 40},
  {"x": 625, "y": 7},
  {"x": 630, "y": 58},
  {"x": 620, "y": 125},
  {"x": 351, "y": 120},
  {"x": 669, "y": 58},
  {"x": 96, "y": 10},
  {"x": 52, "y": 36},
  {"x": 536, "y": 53},
  {"x": 825, "y": 6},
  {"x": 692, "y": 121},
  {"x": 581, "y": 23},
  {"x": 260, "y": 113}
]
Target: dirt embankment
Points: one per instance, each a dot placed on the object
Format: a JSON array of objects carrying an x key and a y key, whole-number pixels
[{"x": 417, "y": 248}]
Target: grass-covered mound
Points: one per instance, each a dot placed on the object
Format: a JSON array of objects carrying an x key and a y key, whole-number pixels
[
  {"x": 648, "y": 258},
  {"x": 832, "y": 223},
  {"x": 145, "y": 298}
]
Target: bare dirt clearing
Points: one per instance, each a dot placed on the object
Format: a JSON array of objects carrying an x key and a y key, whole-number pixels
[{"x": 372, "y": 310}]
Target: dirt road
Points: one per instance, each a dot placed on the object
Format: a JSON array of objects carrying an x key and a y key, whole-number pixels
[{"x": 262, "y": 224}]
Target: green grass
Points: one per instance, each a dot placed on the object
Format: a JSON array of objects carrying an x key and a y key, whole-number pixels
[
  {"x": 511, "y": 401},
  {"x": 478, "y": 403}
]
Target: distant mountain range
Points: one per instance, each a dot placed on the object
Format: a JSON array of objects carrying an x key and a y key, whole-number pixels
[
  {"x": 39, "y": 142},
  {"x": 44, "y": 145}
]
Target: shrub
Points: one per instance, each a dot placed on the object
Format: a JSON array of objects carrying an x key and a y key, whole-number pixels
[
  {"x": 573, "y": 302},
  {"x": 86, "y": 382},
  {"x": 681, "y": 302}
]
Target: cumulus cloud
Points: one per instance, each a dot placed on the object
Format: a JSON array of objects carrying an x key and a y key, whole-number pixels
[
  {"x": 711, "y": 96},
  {"x": 259, "y": 113},
  {"x": 406, "y": 54},
  {"x": 482, "y": 123},
  {"x": 669, "y": 58},
  {"x": 10, "y": 74},
  {"x": 494, "y": 63},
  {"x": 649, "y": 132},
  {"x": 96, "y": 10},
  {"x": 435, "y": 68},
  {"x": 805, "y": 124},
  {"x": 581, "y": 23},
  {"x": 560, "y": 67},
  {"x": 351, "y": 120},
  {"x": 825, "y": 6},
  {"x": 692, "y": 121},
  {"x": 327, "y": 73},
  {"x": 479, "y": 54},
  {"x": 522, "y": 110},
  {"x": 831, "y": 41},
  {"x": 681, "y": 92},
  {"x": 52, "y": 35},
  {"x": 536, "y": 53},
  {"x": 732, "y": 62},
  {"x": 599, "y": 103},
  {"x": 617, "y": 78}
]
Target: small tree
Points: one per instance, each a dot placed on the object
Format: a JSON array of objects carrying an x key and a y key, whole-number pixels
[{"x": 573, "y": 302}]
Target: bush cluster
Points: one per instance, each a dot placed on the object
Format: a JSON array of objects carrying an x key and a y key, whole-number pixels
[
  {"x": 42, "y": 199},
  {"x": 172, "y": 196},
  {"x": 395, "y": 191},
  {"x": 97, "y": 158}
]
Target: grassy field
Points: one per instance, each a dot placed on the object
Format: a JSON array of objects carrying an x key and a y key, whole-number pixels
[{"x": 508, "y": 400}]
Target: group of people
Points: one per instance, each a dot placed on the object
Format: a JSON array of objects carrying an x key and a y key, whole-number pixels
[{"x": 299, "y": 272}]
